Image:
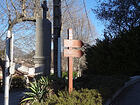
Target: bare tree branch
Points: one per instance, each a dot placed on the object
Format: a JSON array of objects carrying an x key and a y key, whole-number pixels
[
  {"x": 14, "y": 7},
  {"x": 23, "y": 8},
  {"x": 9, "y": 15}
]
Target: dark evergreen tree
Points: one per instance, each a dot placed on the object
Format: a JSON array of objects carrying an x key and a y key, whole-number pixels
[
  {"x": 118, "y": 55},
  {"x": 120, "y": 15}
]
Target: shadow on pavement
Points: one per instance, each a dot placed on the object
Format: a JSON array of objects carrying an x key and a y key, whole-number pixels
[{"x": 15, "y": 97}]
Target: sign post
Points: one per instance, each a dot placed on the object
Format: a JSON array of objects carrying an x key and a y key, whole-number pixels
[
  {"x": 70, "y": 53},
  {"x": 70, "y": 64}
]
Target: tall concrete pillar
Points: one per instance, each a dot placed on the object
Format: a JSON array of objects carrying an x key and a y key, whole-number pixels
[{"x": 42, "y": 57}]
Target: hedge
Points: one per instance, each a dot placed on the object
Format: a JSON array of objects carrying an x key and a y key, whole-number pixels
[
  {"x": 80, "y": 97},
  {"x": 117, "y": 55}
]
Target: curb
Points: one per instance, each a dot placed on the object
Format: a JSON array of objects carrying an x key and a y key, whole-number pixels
[{"x": 132, "y": 81}]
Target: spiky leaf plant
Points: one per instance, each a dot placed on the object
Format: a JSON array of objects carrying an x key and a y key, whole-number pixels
[{"x": 38, "y": 91}]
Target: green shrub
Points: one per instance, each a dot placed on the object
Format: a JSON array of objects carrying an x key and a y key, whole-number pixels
[
  {"x": 80, "y": 97},
  {"x": 57, "y": 84},
  {"x": 65, "y": 75},
  {"x": 39, "y": 90},
  {"x": 106, "y": 85},
  {"x": 18, "y": 82}
]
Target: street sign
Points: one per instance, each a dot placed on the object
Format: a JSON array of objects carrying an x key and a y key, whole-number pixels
[
  {"x": 73, "y": 43},
  {"x": 72, "y": 53}
]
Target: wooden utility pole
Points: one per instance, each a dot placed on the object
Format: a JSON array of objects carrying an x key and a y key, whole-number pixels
[{"x": 56, "y": 32}]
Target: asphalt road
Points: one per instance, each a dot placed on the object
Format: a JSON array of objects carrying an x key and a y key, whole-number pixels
[
  {"x": 130, "y": 96},
  {"x": 15, "y": 96}
]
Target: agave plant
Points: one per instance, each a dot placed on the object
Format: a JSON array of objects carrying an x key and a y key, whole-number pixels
[{"x": 38, "y": 91}]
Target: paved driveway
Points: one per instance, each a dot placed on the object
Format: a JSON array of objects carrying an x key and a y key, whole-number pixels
[
  {"x": 15, "y": 97},
  {"x": 130, "y": 96}
]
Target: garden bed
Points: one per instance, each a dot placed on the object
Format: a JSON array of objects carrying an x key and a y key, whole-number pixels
[{"x": 101, "y": 88}]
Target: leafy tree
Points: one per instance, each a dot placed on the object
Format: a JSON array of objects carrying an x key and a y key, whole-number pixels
[
  {"x": 118, "y": 55},
  {"x": 120, "y": 14}
]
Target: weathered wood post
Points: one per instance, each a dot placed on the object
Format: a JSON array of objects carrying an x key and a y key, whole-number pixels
[
  {"x": 70, "y": 63},
  {"x": 70, "y": 53}
]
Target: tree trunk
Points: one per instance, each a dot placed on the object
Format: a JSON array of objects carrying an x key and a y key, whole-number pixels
[{"x": 56, "y": 31}]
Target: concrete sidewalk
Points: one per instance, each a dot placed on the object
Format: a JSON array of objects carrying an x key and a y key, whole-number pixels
[
  {"x": 15, "y": 97},
  {"x": 130, "y": 96}
]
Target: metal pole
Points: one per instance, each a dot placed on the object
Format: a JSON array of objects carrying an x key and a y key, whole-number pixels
[
  {"x": 12, "y": 71},
  {"x": 7, "y": 66},
  {"x": 59, "y": 57},
  {"x": 11, "y": 48},
  {"x": 70, "y": 64}
]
